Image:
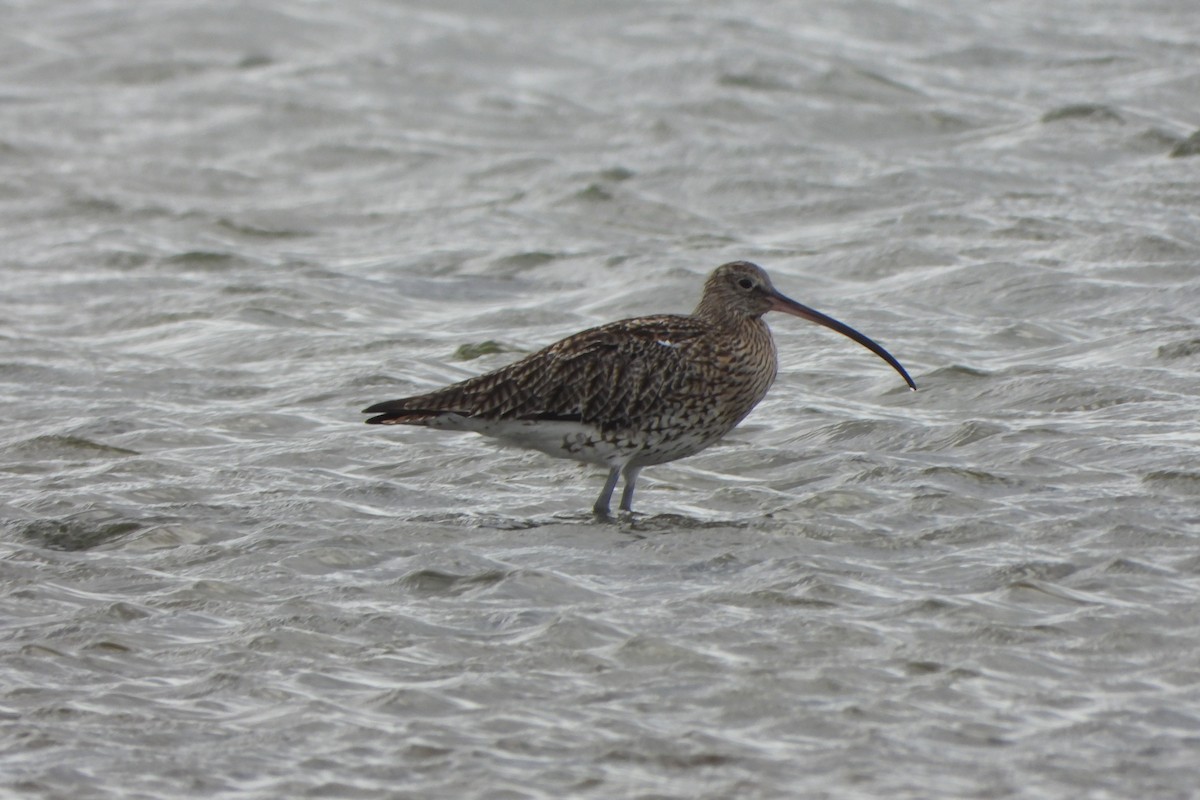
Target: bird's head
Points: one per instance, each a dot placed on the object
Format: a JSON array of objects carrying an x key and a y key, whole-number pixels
[{"x": 740, "y": 291}]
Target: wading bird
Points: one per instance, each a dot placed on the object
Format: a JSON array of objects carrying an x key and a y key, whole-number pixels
[{"x": 631, "y": 393}]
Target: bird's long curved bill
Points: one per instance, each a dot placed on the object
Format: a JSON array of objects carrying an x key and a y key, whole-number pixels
[{"x": 789, "y": 306}]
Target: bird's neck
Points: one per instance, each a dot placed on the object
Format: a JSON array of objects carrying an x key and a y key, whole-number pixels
[{"x": 719, "y": 316}]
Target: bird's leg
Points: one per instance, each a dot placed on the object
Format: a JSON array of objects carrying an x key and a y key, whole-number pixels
[
  {"x": 601, "y": 507},
  {"x": 630, "y": 474}
]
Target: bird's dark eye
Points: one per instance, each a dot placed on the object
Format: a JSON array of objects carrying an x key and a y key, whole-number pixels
[{"x": 746, "y": 283}]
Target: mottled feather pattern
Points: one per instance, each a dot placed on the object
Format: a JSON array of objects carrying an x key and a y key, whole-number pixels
[
  {"x": 631, "y": 393},
  {"x": 617, "y": 376}
]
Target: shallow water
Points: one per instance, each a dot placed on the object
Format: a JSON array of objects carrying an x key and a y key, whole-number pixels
[{"x": 228, "y": 229}]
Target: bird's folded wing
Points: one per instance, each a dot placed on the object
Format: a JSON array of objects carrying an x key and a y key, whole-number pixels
[{"x": 614, "y": 376}]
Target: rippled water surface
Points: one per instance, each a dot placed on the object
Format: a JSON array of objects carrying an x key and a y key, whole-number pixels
[{"x": 227, "y": 228}]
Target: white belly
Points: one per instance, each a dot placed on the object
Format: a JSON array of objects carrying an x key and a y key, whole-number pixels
[
  {"x": 571, "y": 440},
  {"x": 585, "y": 443}
]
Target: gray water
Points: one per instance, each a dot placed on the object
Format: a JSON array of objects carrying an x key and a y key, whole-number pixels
[{"x": 229, "y": 227}]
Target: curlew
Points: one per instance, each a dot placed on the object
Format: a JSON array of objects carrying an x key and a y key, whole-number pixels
[{"x": 632, "y": 393}]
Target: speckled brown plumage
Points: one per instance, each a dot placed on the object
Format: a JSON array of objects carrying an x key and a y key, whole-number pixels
[{"x": 631, "y": 393}]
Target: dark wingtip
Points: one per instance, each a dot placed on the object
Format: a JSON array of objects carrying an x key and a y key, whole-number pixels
[
  {"x": 398, "y": 412},
  {"x": 387, "y": 411}
]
